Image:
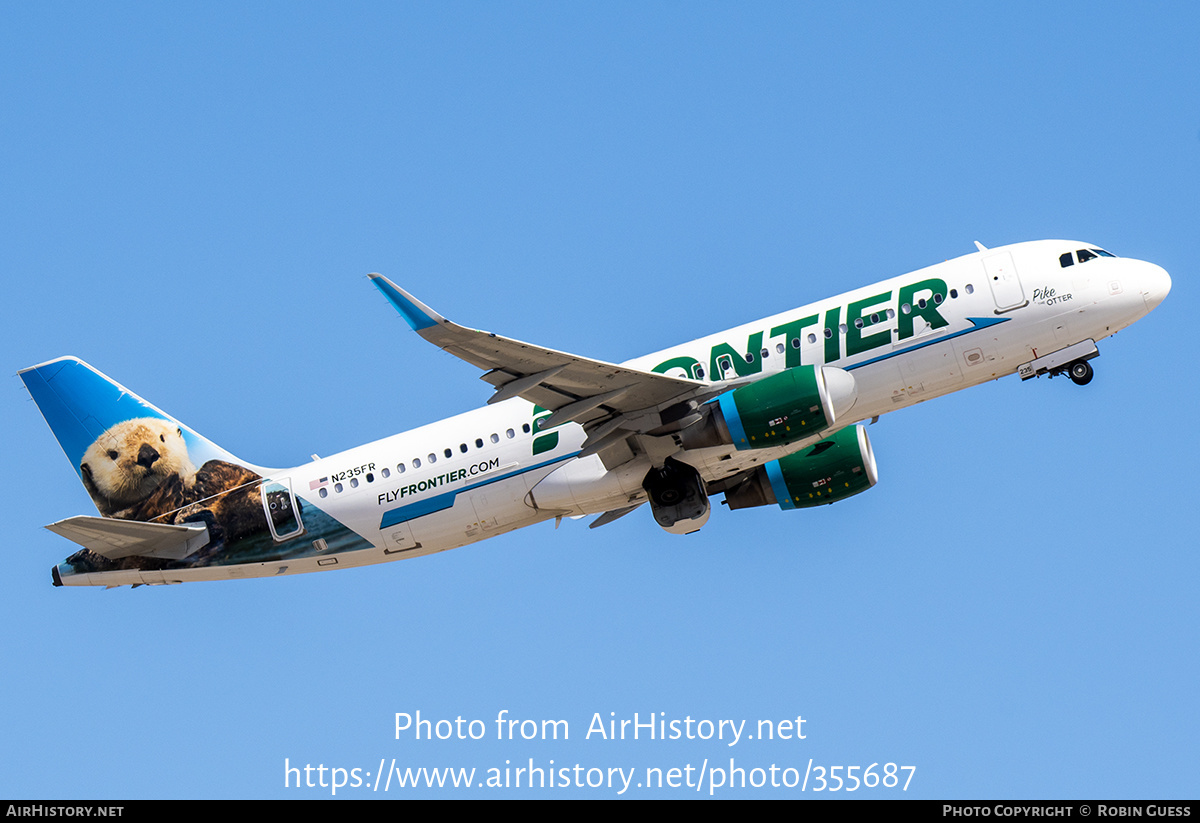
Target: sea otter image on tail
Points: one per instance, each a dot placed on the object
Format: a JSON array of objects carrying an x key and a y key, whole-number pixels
[{"x": 138, "y": 469}]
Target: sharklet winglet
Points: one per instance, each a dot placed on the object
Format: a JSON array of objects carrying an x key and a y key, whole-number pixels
[{"x": 415, "y": 313}]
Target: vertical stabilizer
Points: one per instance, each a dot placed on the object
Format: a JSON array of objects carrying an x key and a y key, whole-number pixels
[{"x": 122, "y": 448}]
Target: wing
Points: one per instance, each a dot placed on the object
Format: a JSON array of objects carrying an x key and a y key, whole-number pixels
[{"x": 610, "y": 401}]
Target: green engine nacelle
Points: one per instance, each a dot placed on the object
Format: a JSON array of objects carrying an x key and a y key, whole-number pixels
[
  {"x": 836, "y": 468},
  {"x": 777, "y": 410}
]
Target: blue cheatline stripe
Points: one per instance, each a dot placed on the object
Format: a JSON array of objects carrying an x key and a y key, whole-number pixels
[
  {"x": 440, "y": 502},
  {"x": 977, "y": 323},
  {"x": 732, "y": 421},
  {"x": 414, "y": 510},
  {"x": 775, "y": 475},
  {"x": 414, "y": 316}
]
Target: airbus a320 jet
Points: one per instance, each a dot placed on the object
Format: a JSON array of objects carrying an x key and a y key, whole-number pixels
[{"x": 769, "y": 413}]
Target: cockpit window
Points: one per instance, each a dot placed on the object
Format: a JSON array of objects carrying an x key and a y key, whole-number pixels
[
  {"x": 1091, "y": 254},
  {"x": 1084, "y": 255}
]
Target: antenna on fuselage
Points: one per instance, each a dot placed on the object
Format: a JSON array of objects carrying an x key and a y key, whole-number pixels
[{"x": 980, "y": 246}]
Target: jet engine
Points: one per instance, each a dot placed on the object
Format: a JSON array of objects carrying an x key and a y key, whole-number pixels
[
  {"x": 837, "y": 467},
  {"x": 780, "y": 409}
]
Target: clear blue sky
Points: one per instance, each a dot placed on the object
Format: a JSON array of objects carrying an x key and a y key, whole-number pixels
[{"x": 191, "y": 200}]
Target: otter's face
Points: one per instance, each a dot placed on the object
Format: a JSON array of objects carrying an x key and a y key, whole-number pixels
[{"x": 129, "y": 461}]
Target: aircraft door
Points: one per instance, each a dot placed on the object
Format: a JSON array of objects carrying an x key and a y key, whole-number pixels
[
  {"x": 1005, "y": 282},
  {"x": 281, "y": 509}
]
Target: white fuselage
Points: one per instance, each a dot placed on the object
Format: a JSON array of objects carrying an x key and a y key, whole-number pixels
[{"x": 476, "y": 475}]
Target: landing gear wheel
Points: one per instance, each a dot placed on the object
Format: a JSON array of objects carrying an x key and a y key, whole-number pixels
[
  {"x": 1080, "y": 372},
  {"x": 669, "y": 496}
]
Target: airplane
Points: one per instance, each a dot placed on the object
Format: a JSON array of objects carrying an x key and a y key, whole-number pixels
[{"x": 771, "y": 412}]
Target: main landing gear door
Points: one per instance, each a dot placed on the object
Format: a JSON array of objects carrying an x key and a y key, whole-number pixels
[{"x": 281, "y": 509}]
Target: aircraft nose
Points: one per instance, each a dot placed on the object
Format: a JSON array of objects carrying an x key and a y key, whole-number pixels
[{"x": 1156, "y": 284}]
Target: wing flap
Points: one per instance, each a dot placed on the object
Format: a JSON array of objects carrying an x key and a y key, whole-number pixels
[{"x": 114, "y": 539}]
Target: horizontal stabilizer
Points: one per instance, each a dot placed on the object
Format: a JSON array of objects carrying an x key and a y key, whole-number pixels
[{"x": 114, "y": 539}]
